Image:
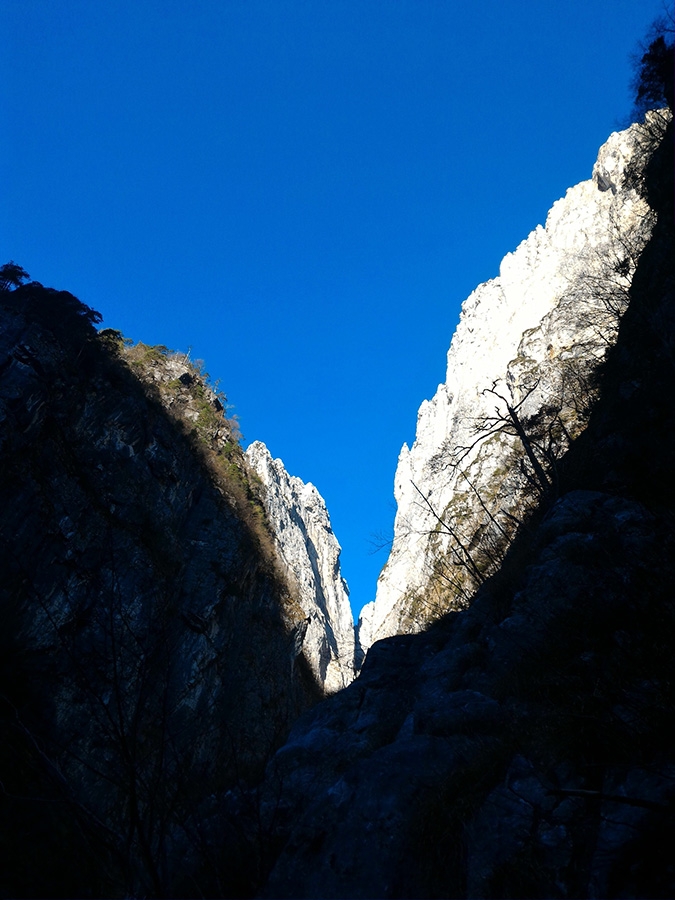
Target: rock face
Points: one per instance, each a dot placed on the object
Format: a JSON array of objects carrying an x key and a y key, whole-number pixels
[
  {"x": 520, "y": 371},
  {"x": 148, "y": 659},
  {"x": 520, "y": 747},
  {"x": 311, "y": 553}
]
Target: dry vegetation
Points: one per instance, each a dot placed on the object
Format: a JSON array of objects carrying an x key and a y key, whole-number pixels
[{"x": 203, "y": 414}]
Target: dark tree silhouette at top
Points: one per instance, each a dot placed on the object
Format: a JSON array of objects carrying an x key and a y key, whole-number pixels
[
  {"x": 12, "y": 276},
  {"x": 653, "y": 83}
]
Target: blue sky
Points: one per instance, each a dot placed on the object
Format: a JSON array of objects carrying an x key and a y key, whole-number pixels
[{"x": 303, "y": 192}]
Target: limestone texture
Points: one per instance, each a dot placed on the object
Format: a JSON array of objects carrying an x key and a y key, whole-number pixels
[
  {"x": 528, "y": 340},
  {"x": 311, "y": 553}
]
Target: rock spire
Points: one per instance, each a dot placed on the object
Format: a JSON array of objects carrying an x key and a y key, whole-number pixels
[{"x": 310, "y": 551}]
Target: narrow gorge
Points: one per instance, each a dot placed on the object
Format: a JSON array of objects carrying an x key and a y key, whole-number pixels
[{"x": 186, "y": 708}]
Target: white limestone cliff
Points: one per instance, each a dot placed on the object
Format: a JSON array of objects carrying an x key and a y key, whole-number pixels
[
  {"x": 311, "y": 554},
  {"x": 534, "y": 333}
]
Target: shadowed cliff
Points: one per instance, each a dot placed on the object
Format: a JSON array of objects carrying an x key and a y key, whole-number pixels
[{"x": 147, "y": 659}]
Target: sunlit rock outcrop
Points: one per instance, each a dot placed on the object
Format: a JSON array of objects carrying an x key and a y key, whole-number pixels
[
  {"x": 527, "y": 342},
  {"x": 306, "y": 544}
]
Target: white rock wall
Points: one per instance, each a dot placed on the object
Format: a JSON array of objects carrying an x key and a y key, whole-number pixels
[
  {"x": 543, "y": 307},
  {"x": 311, "y": 553}
]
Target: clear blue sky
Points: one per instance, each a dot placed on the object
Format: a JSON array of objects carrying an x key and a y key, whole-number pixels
[{"x": 302, "y": 191}]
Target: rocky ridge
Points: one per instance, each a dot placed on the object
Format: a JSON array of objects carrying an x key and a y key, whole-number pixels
[
  {"x": 528, "y": 341},
  {"x": 305, "y": 542}
]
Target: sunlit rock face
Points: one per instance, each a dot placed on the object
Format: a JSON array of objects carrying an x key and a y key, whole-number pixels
[
  {"x": 534, "y": 336},
  {"x": 309, "y": 549}
]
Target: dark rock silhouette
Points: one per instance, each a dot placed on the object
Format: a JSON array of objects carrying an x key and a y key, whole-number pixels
[{"x": 144, "y": 666}]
